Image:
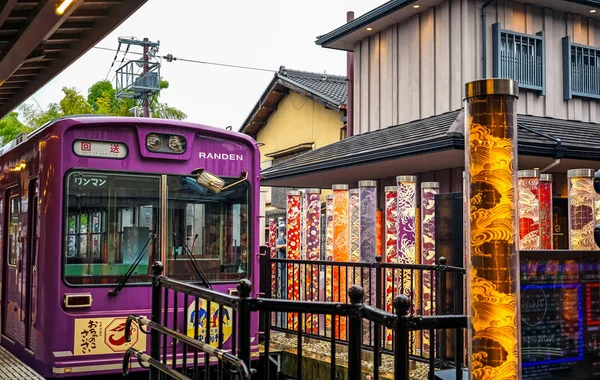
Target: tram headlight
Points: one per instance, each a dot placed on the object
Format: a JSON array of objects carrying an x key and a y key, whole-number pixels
[
  {"x": 175, "y": 143},
  {"x": 153, "y": 142}
]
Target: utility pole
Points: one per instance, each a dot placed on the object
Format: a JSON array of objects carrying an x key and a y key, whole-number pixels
[
  {"x": 130, "y": 83},
  {"x": 146, "y": 103}
]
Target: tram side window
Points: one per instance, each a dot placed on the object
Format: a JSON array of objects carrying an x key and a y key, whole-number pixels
[
  {"x": 13, "y": 231},
  {"x": 111, "y": 219}
]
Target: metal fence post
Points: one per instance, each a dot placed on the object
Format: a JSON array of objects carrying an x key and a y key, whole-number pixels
[
  {"x": 378, "y": 304},
  {"x": 356, "y": 295},
  {"x": 244, "y": 288},
  {"x": 157, "y": 269},
  {"x": 402, "y": 306}
]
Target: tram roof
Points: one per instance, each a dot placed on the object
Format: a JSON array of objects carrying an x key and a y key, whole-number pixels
[{"x": 37, "y": 44}]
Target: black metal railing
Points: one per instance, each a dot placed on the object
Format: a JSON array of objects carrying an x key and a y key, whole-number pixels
[
  {"x": 179, "y": 349},
  {"x": 426, "y": 285},
  {"x": 189, "y": 354}
]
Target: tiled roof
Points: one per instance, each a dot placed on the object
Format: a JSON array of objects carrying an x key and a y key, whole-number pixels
[
  {"x": 537, "y": 136},
  {"x": 332, "y": 87},
  {"x": 330, "y": 90}
]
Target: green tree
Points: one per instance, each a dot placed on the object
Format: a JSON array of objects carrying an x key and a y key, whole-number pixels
[
  {"x": 101, "y": 99},
  {"x": 11, "y": 127},
  {"x": 73, "y": 103}
]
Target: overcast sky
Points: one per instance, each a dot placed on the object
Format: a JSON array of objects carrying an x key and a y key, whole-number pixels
[{"x": 263, "y": 33}]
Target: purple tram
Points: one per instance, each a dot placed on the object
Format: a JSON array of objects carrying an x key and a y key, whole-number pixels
[{"x": 88, "y": 203}]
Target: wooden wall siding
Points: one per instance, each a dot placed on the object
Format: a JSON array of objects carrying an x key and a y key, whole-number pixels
[{"x": 418, "y": 68}]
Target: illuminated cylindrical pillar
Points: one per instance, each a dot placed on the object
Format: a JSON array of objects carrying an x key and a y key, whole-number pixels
[
  {"x": 293, "y": 251},
  {"x": 312, "y": 212},
  {"x": 341, "y": 236},
  {"x": 354, "y": 214},
  {"x": 428, "y": 192},
  {"x": 273, "y": 254},
  {"x": 407, "y": 224},
  {"x": 379, "y": 234},
  {"x": 328, "y": 253},
  {"x": 582, "y": 205},
  {"x": 528, "y": 185},
  {"x": 391, "y": 248},
  {"x": 493, "y": 294},
  {"x": 546, "y": 231},
  {"x": 368, "y": 240},
  {"x": 281, "y": 268}
]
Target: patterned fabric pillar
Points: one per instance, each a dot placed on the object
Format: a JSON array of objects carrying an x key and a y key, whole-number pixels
[
  {"x": 428, "y": 193},
  {"x": 379, "y": 236},
  {"x": 368, "y": 243},
  {"x": 328, "y": 253},
  {"x": 582, "y": 213},
  {"x": 293, "y": 252},
  {"x": 354, "y": 215},
  {"x": 528, "y": 185},
  {"x": 341, "y": 237},
  {"x": 391, "y": 250},
  {"x": 546, "y": 211},
  {"x": 407, "y": 224},
  {"x": 312, "y": 213},
  {"x": 493, "y": 271},
  {"x": 281, "y": 268},
  {"x": 273, "y": 254}
]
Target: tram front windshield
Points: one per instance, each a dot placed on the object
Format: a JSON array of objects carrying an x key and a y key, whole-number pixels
[{"x": 113, "y": 224}]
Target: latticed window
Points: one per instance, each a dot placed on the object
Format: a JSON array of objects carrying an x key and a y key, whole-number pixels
[
  {"x": 581, "y": 70},
  {"x": 520, "y": 57}
]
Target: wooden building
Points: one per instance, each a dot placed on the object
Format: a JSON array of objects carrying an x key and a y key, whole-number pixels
[
  {"x": 411, "y": 60},
  {"x": 298, "y": 111}
]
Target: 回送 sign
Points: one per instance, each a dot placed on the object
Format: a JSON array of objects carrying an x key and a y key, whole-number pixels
[{"x": 101, "y": 149}]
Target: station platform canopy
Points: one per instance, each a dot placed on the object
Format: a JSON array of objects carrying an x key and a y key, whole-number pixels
[{"x": 39, "y": 39}]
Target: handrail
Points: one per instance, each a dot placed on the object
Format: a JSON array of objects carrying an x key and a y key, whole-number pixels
[
  {"x": 194, "y": 290},
  {"x": 143, "y": 357},
  {"x": 369, "y": 265},
  {"x": 206, "y": 348}
]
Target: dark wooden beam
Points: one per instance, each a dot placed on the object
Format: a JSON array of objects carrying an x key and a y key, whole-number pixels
[
  {"x": 6, "y": 9},
  {"x": 87, "y": 14},
  {"x": 42, "y": 26},
  {"x": 116, "y": 14},
  {"x": 25, "y": 73},
  {"x": 76, "y": 26},
  {"x": 64, "y": 37}
]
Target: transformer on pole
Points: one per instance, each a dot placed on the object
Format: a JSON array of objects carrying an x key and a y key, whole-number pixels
[{"x": 139, "y": 79}]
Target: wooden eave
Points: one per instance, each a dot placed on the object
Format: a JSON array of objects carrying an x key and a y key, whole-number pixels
[
  {"x": 303, "y": 147},
  {"x": 36, "y": 44}
]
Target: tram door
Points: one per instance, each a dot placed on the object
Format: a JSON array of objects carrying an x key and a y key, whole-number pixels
[
  {"x": 12, "y": 284},
  {"x": 29, "y": 293}
]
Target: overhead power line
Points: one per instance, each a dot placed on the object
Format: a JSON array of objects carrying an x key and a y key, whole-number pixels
[{"x": 170, "y": 58}]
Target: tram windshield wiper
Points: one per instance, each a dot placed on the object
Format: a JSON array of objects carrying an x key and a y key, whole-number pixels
[
  {"x": 192, "y": 260},
  {"x": 132, "y": 267}
]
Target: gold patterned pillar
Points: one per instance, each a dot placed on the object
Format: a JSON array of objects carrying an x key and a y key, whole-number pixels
[
  {"x": 492, "y": 237},
  {"x": 582, "y": 205}
]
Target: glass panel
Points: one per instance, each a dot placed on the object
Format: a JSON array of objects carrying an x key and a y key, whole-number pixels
[
  {"x": 212, "y": 227},
  {"x": 14, "y": 246},
  {"x": 110, "y": 219}
]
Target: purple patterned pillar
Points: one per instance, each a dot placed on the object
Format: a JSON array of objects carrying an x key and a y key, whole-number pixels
[
  {"x": 428, "y": 193},
  {"x": 368, "y": 243},
  {"x": 328, "y": 253}
]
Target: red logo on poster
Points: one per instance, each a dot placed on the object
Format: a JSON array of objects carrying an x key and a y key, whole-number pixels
[
  {"x": 114, "y": 335},
  {"x": 86, "y": 146}
]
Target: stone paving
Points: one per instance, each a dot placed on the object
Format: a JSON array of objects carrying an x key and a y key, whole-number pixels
[{"x": 13, "y": 368}]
